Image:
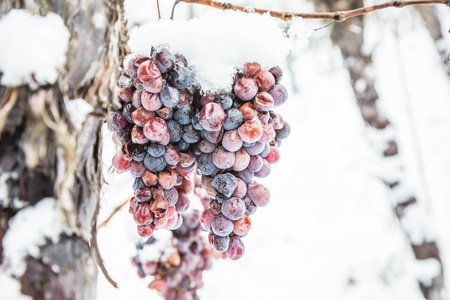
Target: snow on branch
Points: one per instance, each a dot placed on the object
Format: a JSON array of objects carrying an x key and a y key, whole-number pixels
[{"x": 338, "y": 16}]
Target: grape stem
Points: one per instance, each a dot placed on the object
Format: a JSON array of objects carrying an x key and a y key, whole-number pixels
[
  {"x": 175, "y": 4},
  {"x": 338, "y": 16},
  {"x": 113, "y": 213}
]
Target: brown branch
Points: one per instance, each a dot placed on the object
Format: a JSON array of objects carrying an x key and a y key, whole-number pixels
[
  {"x": 113, "y": 213},
  {"x": 338, "y": 16},
  {"x": 159, "y": 11}
]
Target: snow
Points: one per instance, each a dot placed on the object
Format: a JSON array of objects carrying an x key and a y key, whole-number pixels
[
  {"x": 330, "y": 231},
  {"x": 33, "y": 47},
  {"x": 28, "y": 230},
  {"x": 215, "y": 45},
  {"x": 10, "y": 288},
  {"x": 78, "y": 110}
]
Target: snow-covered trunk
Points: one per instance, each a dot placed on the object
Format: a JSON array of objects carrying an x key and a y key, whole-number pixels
[
  {"x": 50, "y": 152},
  {"x": 348, "y": 36}
]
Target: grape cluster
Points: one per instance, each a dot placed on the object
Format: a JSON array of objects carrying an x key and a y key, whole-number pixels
[
  {"x": 241, "y": 134},
  {"x": 179, "y": 269},
  {"x": 154, "y": 132},
  {"x": 168, "y": 127}
]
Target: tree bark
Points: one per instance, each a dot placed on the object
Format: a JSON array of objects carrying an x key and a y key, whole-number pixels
[
  {"x": 44, "y": 155},
  {"x": 349, "y": 37}
]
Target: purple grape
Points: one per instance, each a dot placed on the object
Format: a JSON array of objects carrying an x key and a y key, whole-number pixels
[
  {"x": 164, "y": 60},
  {"x": 246, "y": 175},
  {"x": 222, "y": 226},
  {"x": 241, "y": 161},
  {"x": 256, "y": 163},
  {"x": 236, "y": 248},
  {"x": 154, "y": 164},
  {"x": 225, "y": 184},
  {"x": 233, "y": 208},
  {"x": 231, "y": 141},
  {"x": 205, "y": 164},
  {"x": 125, "y": 134},
  {"x": 127, "y": 110},
  {"x": 256, "y": 149},
  {"x": 222, "y": 158},
  {"x": 212, "y": 117},
  {"x": 279, "y": 94},
  {"x": 206, "y": 146},
  {"x": 156, "y": 150},
  {"x": 265, "y": 170},
  {"x": 250, "y": 206},
  {"x": 259, "y": 194},
  {"x": 190, "y": 134},
  {"x": 137, "y": 169},
  {"x": 117, "y": 120},
  {"x": 171, "y": 155},
  {"x": 138, "y": 184},
  {"x": 224, "y": 99},
  {"x": 220, "y": 243},
  {"x": 207, "y": 218},
  {"x": 266, "y": 151},
  {"x": 233, "y": 119},
  {"x": 241, "y": 189},
  {"x": 181, "y": 77},
  {"x": 284, "y": 132},
  {"x": 196, "y": 121},
  {"x": 143, "y": 194},
  {"x": 184, "y": 115},
  {"x": 171, "y": 195},
  {"x": 169, "y": 96},
  {"x": 213, "y": 136},
  {"x": 182, "y": 145},
  {"x": 125, "y": 81},
  {"x": 277, "y": 73},
  {"x": 246, "y": 88},
  {"x": 182, "y": 203},
  {"x": 137, "y": 153},
  {"x": 175, "y": 130}
]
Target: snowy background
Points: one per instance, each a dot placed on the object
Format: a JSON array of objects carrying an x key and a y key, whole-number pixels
[{"x": 330, "y": 231}]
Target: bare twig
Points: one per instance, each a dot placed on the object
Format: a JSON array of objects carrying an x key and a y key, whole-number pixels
[
  {"x": 175, "y": 4},
  {"x": 113, "y": 213},
  {"x": 338, "y": 16},
  {"x": 159, "y": 11}
]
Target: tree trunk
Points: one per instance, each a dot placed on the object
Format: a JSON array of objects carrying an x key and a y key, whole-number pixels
[
  {"x": 349, "y": 37},
  {"x": 44, "y": 155}
]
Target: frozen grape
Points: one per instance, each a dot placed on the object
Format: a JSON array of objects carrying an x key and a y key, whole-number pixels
[
  {"x": 164, "y": 60},
  {"x": 207, "y": 218},
  {"x": 205, "y": 164},
  {"x": 246, "y": 88},
  {"x": 233, "y": 119},
  {"x": 221, "y": 225},
  {"x": 154, "y": 164},
  {"x": 150, "y": 102},
  {"x": 265, "y": 80},
  {"x": 141, "y": 115},
  {"x": 172, "y": 155},
  {"x": 156, "y": 150},
  {"x": 256, "y": 163},
  {"x": 169, "y": 96},
  {"x": 149, "y": 178},
  {"x": 225, "y": 183},
  {"x": 138, "y": 136},
  {"x": 120, "y": 164},
  {"x": 190, "y": 134},
  {"x": 155, "y": 129},
  {"x": 224, "y": 99},
  {"x": 212, "y": 117},
  {"x": 126, "y": 94},
  {"x": 233, "y": 208},
  {"x": 242, "y": 226},
  {"x": 147, "y": 71},
  {"x": 248, "y": 111},
  {"x": 284, "y": 132},
  {"x": 171, "y": 195},
  {"x": 250, "y": 131},
  {"x": 279, "y": 94},
  {"x": 222, "y": 158},
  {"x": 137, "y": 169},
  {"x": 277, "y": 73},
  {"x": 143, "y": 194},
  {"x": 117, "y": 120},
  {"x": 206, "y": 147},
  {"x": 241, "y": 189},
  {"x": 255, "y": 149},
  {"x": 263, "y": 101},
  {"x": 184, "y": 115},
  {"x": 241, "y": 161},
  {"x": 220, "y": 243},
  {"x": 259, "y": 194},
  {"x": 268, "y": 133},
  {"x": 231, "y": 141},
  {"x": 251, "y": 69},
  {"x": 181, "y": 77},
  {"x": 236, "y": 248},
  {"x": 273, "y": 156}
]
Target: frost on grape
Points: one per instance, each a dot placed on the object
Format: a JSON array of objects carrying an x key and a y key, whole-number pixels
[
  {"x": 29, "y": 229},
  {"x": 33, "y": 47},
  {"x": 215, "y": 43}
]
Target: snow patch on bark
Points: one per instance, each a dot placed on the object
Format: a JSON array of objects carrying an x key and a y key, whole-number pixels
[
  {"x": 28, "y": 230},
  {"x": 10, "y": 288},
  {"x": 33, "y": 47},
  {"x": 78, "y": 110}
]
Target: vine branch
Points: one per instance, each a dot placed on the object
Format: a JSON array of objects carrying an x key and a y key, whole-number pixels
[{"x": 338, "y": 16}]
